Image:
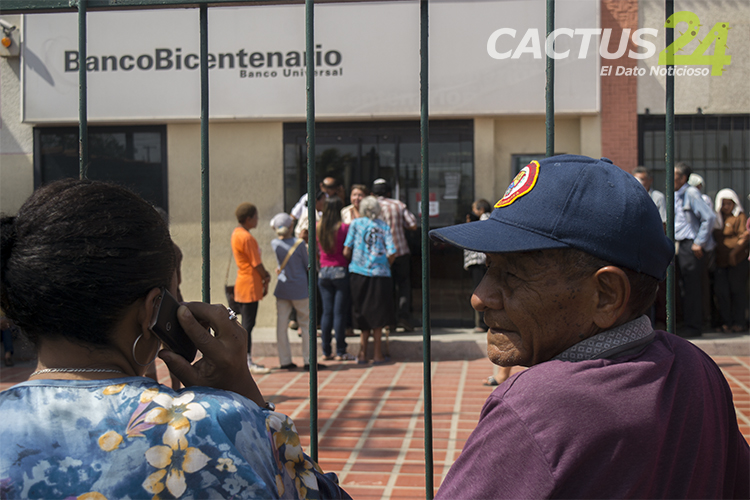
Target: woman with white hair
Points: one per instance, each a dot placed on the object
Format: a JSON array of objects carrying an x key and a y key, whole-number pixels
[
  {"x": 696, "y": 181},
  {"x": 369, "y": 246},
  {"x": 730, "y": 280},
  {"x": 291, "y": 289}
]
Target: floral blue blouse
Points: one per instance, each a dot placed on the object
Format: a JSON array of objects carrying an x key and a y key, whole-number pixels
[{"x": 133, "y": 438}]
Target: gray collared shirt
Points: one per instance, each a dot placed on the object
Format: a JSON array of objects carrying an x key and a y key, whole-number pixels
[{"x": 631, "y": 336}]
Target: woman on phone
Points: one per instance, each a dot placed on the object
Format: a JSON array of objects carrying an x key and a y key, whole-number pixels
[{"x": 82, "y": 268}]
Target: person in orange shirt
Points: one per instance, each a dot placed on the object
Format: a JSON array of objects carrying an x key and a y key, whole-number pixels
[{"x": 252, "y": 278}]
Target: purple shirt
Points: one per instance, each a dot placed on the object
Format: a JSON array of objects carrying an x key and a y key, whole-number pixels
[{"x": 656, "y": 424}]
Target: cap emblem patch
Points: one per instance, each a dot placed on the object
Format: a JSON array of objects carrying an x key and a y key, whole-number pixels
[{"x": 522, "y": 184}]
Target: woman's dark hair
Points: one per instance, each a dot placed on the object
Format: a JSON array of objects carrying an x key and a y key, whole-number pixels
[
  {"x": 329, "y": 221},
  {"x": 76, "y": 255},
  {"x": 245, "y": 211},
  {"x": 365, "y": 190},
  {"x": 483, "y": 205}
]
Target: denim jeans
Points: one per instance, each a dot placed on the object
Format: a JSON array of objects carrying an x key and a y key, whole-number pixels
[{"x": 336, "y": 298}]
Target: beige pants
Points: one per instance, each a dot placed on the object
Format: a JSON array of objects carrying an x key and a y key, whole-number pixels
[{"x": 283, "y": 309}]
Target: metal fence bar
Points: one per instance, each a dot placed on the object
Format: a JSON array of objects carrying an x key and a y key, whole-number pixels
[
  {"x": 549, "y": 120},
  {"x": 42, "y": 6},
  {"x": 83, "y": 125},
  {"x": 205, "y": 205},
  {"x": 669, "y": 158},
  {"x": 311, "y": 212},
  {"x": 424, "y": 126}
]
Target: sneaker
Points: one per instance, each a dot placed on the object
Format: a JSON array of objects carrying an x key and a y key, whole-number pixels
[
  {"x": 257, "y": 369},
  {"x": 344, "y": 357},
  {"x": 289, "y": 366}
]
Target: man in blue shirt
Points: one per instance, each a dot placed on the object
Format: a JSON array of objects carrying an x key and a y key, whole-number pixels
[{"x": 693, "y": 221}]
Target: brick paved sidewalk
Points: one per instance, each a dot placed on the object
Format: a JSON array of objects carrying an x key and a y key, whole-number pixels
[
  {"x": 371, "y": 428},
  {"x": 371, "y": 424}
]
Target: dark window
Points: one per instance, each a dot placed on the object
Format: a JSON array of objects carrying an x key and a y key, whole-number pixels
[
  {"x": 716, "y": 146},
  {"x": 359, "y": 153},
  {"x": 135, "y": 157}
]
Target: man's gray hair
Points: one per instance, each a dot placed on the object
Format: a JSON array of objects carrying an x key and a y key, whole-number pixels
[
  {"x": 369, "y": 207},
  {"x": 640, "y": 169},
  {"x": 683, "y": 169}
]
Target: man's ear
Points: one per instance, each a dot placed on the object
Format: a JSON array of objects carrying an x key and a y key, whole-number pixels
[
  {"x": 613, "y": 289},
  {"x": 147, "y": 309}
]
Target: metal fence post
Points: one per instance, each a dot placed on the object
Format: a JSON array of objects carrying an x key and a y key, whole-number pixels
[
  {"x": 205, "y": 222},
  {"x": 83, "y": 126},
  {"x": 550, "y": 88},
  {"x": 311, "y": 213},
  {"x": 426, "y": 331},
  {"x": 669, "y": 158}
]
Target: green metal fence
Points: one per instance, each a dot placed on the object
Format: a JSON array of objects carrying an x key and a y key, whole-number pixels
[{"x": 83, "y": 6}]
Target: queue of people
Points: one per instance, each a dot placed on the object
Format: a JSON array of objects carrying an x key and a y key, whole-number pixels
[
  {"x": 564, "y": 295},
  {"x": 711, "y": 239},
  {"x": 363, "y": 271}
]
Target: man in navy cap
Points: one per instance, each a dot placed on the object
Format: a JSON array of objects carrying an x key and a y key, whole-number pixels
[{"x": 609, "y": 408}]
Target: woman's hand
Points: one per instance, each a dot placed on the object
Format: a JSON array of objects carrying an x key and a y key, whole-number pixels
[{"x": 224, "y": 361}]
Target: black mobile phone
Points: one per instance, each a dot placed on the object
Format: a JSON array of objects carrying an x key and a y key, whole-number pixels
[{"x": 167, "y": 328}]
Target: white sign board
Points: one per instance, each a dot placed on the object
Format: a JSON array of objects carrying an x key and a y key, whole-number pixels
[{"x": 144, "y": 65}]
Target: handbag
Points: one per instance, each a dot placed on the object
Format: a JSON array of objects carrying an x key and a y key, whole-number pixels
[
  {"x": 288, "y": 255},
  {"x": 738, "y": 254}
]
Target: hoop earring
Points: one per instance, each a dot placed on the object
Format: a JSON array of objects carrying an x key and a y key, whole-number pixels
[{"x": 136, "y": 359}]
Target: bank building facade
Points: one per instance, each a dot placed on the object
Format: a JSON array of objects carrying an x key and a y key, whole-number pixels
[{"x": 487, "y": 108}]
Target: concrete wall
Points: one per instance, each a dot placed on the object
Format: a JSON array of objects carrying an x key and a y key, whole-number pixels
[
  {"x": 619, "y": 122},
  {"x": 16, "y": 139},
  {"x": 727, "y": 93},
  {"x": 497, "y": 139},
  {"x": 246, "y": 162},
  {"x": 487, "y": 166}
]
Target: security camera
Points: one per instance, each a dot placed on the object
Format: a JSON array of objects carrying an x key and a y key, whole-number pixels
[{"x": 9, "y": 39}]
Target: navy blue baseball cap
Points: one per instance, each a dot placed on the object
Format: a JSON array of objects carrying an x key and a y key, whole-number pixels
[{"x": 571, "y": 201}]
